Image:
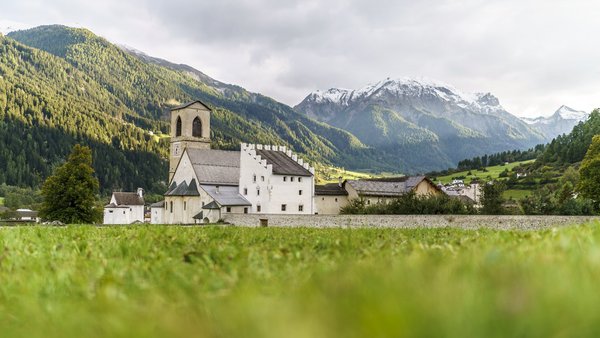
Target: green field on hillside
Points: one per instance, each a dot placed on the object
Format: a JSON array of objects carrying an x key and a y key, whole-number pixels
[
  {"x": 332, "y": 174},
  {"x": 152, "y": 281},
  {"x": 491, "y": 173}
]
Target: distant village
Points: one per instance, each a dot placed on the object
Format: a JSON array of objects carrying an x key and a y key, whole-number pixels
[{"x": 206, "y": 184}]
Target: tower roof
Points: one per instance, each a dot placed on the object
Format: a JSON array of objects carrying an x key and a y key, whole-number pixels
[{"x": 185, "y": 105}]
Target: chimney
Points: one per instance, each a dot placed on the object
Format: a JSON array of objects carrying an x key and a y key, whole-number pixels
[
  {"x": 140, "y": 192},
  {"x": 340, "y": 181}
]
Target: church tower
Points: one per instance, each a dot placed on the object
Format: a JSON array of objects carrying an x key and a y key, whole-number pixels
[{"x": 190, "y": 128}]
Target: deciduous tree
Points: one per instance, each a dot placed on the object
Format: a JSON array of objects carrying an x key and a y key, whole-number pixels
[{"x": 70, "y": 193}]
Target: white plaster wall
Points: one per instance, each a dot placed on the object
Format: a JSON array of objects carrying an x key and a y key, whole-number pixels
[
  {"x": 330, "y": 205},
  {"x": 125, "y": 215},
  {"x": 273, "y": 190},
  {"x": 157, "y": 215}
]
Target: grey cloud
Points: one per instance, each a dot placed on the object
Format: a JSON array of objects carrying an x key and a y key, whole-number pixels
[{"x": 533, "y": 54}]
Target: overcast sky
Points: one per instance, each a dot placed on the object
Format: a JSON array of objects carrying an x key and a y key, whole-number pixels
[{"x": 535, "y": 55}]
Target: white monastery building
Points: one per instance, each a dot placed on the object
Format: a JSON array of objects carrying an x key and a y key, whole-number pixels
[
  {"x": 206, "y": 184},
  {"x": 276, "y": 181},
  {"x": 125, "y": 208}
]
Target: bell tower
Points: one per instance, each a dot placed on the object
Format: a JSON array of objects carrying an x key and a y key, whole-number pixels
[{"x": 190, "y": 128}]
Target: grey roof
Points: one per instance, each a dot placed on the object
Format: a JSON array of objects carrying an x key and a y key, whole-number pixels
[
  {"x": 185, "y": 105},
  {"x": 212, "y": 205},
  {"x": 199, "y": 215},
  {"x": 332, "y": 189},
  {"x": 386, "y": 187},
  {"x": 183, "y": 189},
  {"x": 215, "y": 166},
  {"x": 160, "y": 204},
  {"x": 128, "y": 198},
  {"x": 226, "y": 195},
  {"x": 283, "y": 164}
]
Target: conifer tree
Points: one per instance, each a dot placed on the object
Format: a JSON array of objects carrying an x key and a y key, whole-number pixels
[
  {"x": 70, "y": 193},
  {"x": 589, "y": 172}
]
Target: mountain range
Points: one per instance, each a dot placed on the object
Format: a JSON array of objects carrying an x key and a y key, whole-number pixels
[
  {"x": 60, "y": 86},
  {"x": 561, "y": 122},
  {"x": 423, "y": 117}
]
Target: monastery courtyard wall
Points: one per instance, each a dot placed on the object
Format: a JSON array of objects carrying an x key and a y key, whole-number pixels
[{"x": 504, "y": 222}]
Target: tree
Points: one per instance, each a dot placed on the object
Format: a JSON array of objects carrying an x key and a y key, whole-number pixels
[
  {"x": 492, "y": 198},
  {"x": 70, "y": 193},
  {"x": 589, "y": 172}
]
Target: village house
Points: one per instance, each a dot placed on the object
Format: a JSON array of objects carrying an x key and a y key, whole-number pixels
[
  {"x": 330, "y": 198},
  {"x": 384, "y": 190},
  {"x": 125, "y": 208}
]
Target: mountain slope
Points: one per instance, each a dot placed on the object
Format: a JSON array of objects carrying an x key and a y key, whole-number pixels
[
  {"x": 455, "y": 125},
  {"x": 561, "y": 122},
  {"x": 47, "y": 105}
]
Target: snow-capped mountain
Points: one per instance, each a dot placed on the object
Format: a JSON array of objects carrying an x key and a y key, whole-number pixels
[
  {"x": 428, "y": 119},
  {"x": 561, "y": 122}
]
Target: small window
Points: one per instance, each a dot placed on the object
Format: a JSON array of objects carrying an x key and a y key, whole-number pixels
[
  {"x": 368, "y": 201},
  {"x": 123, "y": 212},
  {"x": 258, "y": 208},
  {"x": 245, "y": 191},
  {"x": 110, "y": 211},
  {"x": 336, "y": 199},
  {"x": 130, "y": 209},
  {"x": 300, "y": 208},
  {"x": 285, "y": 178},
  {"x": 197, "y": 127},
  {"x": 254, "y": 178},
  {"x": 299, "y": 179},
  {"x": 283, "y": 207},
  {"x": 178, "y": 126},
  {"x": 262, "y": 178},
  {"x": 245, "y": 210},
  {"x": 228, "y": 209},
  {"x": 292, "y": 179},
  {"x": 322, "y": 198},
  {"x": 184, "y": 205},
  {"x": 299, "y": 192},
  {"x": 171, "y": 206},
  {"x": 258, "y": 192}
]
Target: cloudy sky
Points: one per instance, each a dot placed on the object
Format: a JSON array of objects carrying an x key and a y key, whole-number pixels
[{"x": 535, "y": 55}]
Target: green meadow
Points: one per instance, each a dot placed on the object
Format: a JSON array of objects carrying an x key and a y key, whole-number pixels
[
  {"x": 158, "y": 281},
  {"x": 492, "y": 173}
]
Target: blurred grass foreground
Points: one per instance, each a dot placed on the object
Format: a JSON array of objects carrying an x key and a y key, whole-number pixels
[{"x": 153, "y": 281}]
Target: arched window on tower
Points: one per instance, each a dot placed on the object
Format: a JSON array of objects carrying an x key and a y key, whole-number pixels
[
  {"x": 197, "y": 128},
  {"x": 178, "y": 126}
]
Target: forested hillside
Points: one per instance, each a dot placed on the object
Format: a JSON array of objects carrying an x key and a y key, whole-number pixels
[
  {"x": 571, "y": 148},
  {"x": 47, "y": 106}
]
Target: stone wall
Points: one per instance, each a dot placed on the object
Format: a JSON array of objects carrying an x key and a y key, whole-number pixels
[{"x": 412, "y": 221}]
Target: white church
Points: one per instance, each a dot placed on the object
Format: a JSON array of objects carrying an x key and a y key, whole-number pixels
[{"x": 205, "y": 184}]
